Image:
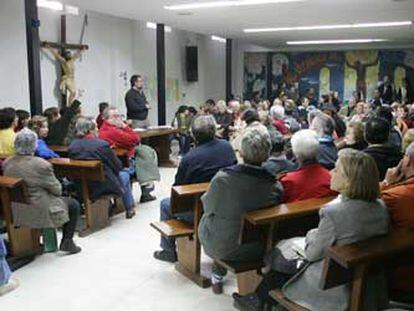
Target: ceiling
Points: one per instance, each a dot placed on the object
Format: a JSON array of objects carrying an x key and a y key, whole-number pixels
[{"x": 230, "y": 22}]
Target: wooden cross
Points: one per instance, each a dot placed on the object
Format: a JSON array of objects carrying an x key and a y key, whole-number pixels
[{"x": 64, "y": 46}]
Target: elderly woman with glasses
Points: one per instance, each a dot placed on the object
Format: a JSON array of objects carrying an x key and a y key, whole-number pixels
[
  {"x": 230, "y": 197},
  {"x": 48, "y": 209},
  {"x": 356, "y": 214}
]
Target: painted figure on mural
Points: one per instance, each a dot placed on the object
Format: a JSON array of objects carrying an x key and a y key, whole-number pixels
[
  {"x": 67, "y": 62},
  {"x": 360, "y": 61}
]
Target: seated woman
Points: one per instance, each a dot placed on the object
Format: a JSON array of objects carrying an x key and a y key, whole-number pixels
[
  {"x": 354, "y": 137},
  {"x": 223, "y": 119},
  {"x": 8, "y": 122},
  {"x": 48, "y": 209},
  {"x": 355, "y": 215},
  {"x": 230, "y": 196},
  {"x": 89, "y": 147},
  {"x": 311, "y": 179},
  {"x": 39, "y": 125}
]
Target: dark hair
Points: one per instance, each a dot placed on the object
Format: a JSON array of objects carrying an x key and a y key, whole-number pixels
[
  {"x": 7, "y": 117},
  {"x": 103, "y": 106},
  {"x": 211, "y": 102},
  {"x": 181, "y": 109},
  {"x": 192, "y": 110},
  {"x": 250, "y": 115},
  {"x": 377, "y": 130},
  {"x": 385, "y": 113},
  {"x": 23, "y": 115},
  {"x": 51, "y": 113},
  {"x": 278, "y": 142},
  {"x": 134, "y": 79}
]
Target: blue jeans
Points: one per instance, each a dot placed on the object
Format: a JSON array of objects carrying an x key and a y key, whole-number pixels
[
  {"x": 168, "y": 244},
  {"x": 127, "y": 197},
  {"x": 5, "y": 272}
]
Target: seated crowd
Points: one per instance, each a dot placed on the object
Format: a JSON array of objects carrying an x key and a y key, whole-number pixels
[{"x": 255, "y": 155}]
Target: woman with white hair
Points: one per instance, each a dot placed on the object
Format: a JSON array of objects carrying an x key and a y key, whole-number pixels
[
  {"x": 311, "y": 179},
  {"x": 230, "y": 197},
  {"x": 47, "y": 208},
  {"x": 223, "y": 119},
  {"x": 277, "y": 114}
]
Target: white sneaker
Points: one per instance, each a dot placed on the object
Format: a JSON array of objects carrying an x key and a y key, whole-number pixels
[{"x": 10, "y": 286}]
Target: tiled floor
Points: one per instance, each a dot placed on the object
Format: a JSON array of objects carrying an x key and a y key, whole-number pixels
[{"x": 115, "y": 271}]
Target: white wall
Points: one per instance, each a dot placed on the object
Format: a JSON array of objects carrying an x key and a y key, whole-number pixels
[{"x": 116, "y": 45}]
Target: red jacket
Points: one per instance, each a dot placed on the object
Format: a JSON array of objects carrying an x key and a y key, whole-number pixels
[
  {"x": 124, "y": 138},
  {"x": 308, "y": 182},
  {"x": 281, "y": 126},
  {"x": 99, "y": 120}
]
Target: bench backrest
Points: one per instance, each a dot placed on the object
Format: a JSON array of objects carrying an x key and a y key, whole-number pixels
[
  {"x": 78, "y": 169},
  {"x": 384, "y": 251},
  {"x": 184, "y": 197}
]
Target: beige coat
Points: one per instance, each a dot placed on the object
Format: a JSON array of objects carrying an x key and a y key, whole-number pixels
[{"x": 46, "y": 209}]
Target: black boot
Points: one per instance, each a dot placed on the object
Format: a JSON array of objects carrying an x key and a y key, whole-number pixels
[
  {"x": 68, "y": 246},
  {"x": 146, "y": 194}
]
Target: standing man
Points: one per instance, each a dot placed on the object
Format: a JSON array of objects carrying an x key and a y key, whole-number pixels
[{"x": 136, "y": 103}]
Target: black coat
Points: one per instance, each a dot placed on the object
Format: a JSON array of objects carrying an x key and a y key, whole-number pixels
[{"x": 98, "y": 149}]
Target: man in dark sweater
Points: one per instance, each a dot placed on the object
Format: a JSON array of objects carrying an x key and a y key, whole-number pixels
[
  {"x": 136, "y": 103},
  {"x": 197, "y": 166},
  {"x": 377, "y": 131}
]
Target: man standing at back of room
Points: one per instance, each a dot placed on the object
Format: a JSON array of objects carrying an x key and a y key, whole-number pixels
[{"x": 136, "y": 103}]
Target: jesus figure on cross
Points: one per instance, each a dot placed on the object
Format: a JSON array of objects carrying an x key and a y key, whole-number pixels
[{"x": 67, "y": 61}]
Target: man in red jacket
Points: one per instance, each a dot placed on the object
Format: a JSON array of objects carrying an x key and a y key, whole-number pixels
[{"x": 118, "y": 134}]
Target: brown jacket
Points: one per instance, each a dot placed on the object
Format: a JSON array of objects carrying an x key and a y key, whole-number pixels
[
  {"x": 400, "y": 202},
  {"x": 46, "y": 209}
]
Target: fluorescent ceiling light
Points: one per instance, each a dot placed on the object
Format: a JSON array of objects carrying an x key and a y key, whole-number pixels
[
  {"x": 74, "y": 10},
  {"x": 325, "y": 27},
  {"x": 53, "y": 5},
  {"x": 152, "y": 25},
  {"x": 219, "y": 39},
  {"x": 221, "y": 4},
  {"x": 335, "y": 41}
]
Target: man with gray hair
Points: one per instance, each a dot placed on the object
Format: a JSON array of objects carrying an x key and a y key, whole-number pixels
[
  {"x": 198, "y": 165},
  {"x": 311, "y": 179},
  {"x": 324, "y": 126},
  {"x": 397, "y": 191}
]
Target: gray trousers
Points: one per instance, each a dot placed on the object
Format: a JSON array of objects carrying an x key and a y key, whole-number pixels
[{"x": 140, "y": 123}]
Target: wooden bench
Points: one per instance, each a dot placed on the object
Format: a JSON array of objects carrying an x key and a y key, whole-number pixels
[
  {"x": 186, "y": 199},
  {"x": 122, "y": 154},
  {"x": 96, "y": 212},
  {"x": 23, "y": 242},
  {"x": 353, "y": 263},
  {"x": 269, "y": 225}
]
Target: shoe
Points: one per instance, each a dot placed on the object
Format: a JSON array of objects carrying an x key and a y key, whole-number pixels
[
  {"x": 68, "y": 246},
  {"x": 166, "y": 256},
  {"x": 147, "y": 198},
  {"x": 9, "y": 286},
  {"x": 130, "y": 214},
  {"x": 249, "y": 302},
  {"x": 217, "y": 288}
]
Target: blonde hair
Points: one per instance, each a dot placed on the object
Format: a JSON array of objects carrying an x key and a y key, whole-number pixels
[
  {"x": 408, "y": 139},
  {"x": 36, "y": 122},
  {"x": 361, "y": 173}
]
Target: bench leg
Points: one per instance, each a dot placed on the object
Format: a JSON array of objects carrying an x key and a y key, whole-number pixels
[
  {"x": 248, "y": 281},
  {"x": 189, "y": 254},
  {"x": 358, "y": 286},
  {"x": 24, "y": 241},
  {"x": 97, "y": 214}
]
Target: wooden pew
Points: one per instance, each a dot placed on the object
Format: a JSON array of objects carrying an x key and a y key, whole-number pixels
[
  {"x": 122, "y": 154},
  {"x": 184, "y": 199},
  {"x": 23, "y": 241},
  {"x": 353, "y": 263},
  {"x": 96, "y": 212},
  {"x": 269, "y": 225}
]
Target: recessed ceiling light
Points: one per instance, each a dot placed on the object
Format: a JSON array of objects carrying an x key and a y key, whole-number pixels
[
  {"x": 328, "y": 27},
  {"x": 312, "y": 42},
  {"x": 226, "y": 3},
  {"x": 53, "y": 5},
  {"x": 185, "y": 13},
  {"x": 219, "y": 39}
]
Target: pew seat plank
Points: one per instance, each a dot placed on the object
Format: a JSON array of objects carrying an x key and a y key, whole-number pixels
[{"x": 173, "y": 228}]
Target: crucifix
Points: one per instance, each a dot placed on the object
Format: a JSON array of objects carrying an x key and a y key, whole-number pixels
[{"x": 67, "y": 60}]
